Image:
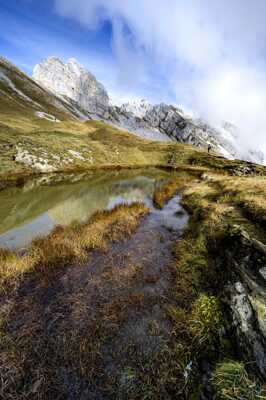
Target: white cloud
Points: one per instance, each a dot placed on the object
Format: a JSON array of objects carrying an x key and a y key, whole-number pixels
[{"x": 209, "y": 54}]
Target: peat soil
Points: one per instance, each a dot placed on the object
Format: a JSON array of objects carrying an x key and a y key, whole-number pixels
[{"x": 97, "y": 330}]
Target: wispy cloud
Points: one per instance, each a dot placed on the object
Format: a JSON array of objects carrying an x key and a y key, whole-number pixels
[{"x": 209, "y": 54}]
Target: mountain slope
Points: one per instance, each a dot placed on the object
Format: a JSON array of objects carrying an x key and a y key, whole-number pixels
[
  {"x": 177, "y": 125},
  {"x": 22, "y": 96}
]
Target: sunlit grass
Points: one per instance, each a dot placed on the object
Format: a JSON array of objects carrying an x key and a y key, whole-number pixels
[{"x": 165, "y": 192}]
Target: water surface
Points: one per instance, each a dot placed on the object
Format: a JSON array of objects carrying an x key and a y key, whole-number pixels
[{"x": 43, "y": 203}]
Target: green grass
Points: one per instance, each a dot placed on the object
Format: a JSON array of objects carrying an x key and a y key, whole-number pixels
[{"x": 169, "y": 188}]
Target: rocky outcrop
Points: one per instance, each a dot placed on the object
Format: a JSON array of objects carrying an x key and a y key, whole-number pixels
[
  {"x": 73, "y": 81},
  {"x": 245, "y": 295},
  {"x": 171, "y": 122}
]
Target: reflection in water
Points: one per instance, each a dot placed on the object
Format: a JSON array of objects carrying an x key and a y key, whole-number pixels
[{"x": 37, "y": 207}]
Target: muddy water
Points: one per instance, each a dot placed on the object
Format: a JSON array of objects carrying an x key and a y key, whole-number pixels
[{"x": 37, "y": 207}]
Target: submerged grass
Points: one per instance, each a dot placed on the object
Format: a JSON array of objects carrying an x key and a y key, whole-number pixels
[{"x": 198, "y": 325}]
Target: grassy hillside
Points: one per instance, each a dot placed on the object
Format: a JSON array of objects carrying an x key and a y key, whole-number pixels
[
  {"x": 21, "y": 97},
  {"x": 29, "y": 146}
]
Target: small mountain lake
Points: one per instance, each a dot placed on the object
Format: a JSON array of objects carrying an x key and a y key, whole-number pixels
[{"x": 42, "y": 203}]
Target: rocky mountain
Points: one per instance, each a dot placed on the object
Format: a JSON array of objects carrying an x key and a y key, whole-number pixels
[
  {"x": 61, "y": 90},
  {"x": 142, "y": 117},
  {"x": 71, "y": 80},
  {"x": 73, "y": 83},
  {"x": 21, "y": 95}
]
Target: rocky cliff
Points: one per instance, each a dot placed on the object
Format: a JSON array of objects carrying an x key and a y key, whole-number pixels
[
  {"x": 72, "y": 81},
  {"x": 171, "y": 121}
]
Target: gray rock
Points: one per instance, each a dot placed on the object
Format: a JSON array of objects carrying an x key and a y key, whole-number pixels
[
  {"x": 71, "y": 80},
  {"x": 246, "y": 295}
]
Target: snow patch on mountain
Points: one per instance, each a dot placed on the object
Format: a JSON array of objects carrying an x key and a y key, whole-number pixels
[
  {"x": 138, "y": 108},
  {"x": 49, "y": 117}
]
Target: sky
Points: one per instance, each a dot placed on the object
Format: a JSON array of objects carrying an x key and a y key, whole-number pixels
[{"x": 207, "y": 56}]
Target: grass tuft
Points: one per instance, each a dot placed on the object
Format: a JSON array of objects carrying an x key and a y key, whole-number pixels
[
  {"x": 206, "y": 321},
  {"x": 231, "y": 382}
]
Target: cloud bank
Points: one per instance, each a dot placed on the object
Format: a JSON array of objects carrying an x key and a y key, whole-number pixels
[{"x": 208, "y": 55}]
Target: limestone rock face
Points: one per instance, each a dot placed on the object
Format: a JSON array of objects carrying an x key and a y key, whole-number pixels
[
  {"x": 73, "y": 81},
  {"x": 139, "y": 109}
]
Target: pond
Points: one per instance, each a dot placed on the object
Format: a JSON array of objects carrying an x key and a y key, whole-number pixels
[{"x": 34, "y": 209}]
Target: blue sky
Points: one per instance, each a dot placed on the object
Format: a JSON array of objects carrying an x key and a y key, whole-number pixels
[
  {"x": 209, "y": 57},
  {"x": 33, "y": 30}
]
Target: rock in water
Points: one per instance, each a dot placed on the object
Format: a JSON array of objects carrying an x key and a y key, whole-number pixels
[{"x": 71, "y": 80}]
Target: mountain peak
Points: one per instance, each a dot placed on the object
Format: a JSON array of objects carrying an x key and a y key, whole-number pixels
[{"x": 71, "y": 80}]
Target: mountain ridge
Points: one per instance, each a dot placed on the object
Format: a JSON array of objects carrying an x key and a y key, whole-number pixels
[{"x": 159, "y": 121}]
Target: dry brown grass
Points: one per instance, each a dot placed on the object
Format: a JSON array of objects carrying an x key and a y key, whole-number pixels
[
  {"x": 71, "y": 244},
  {"x": 249, "y": 193},
  {"x": 170, "y": 188}
]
